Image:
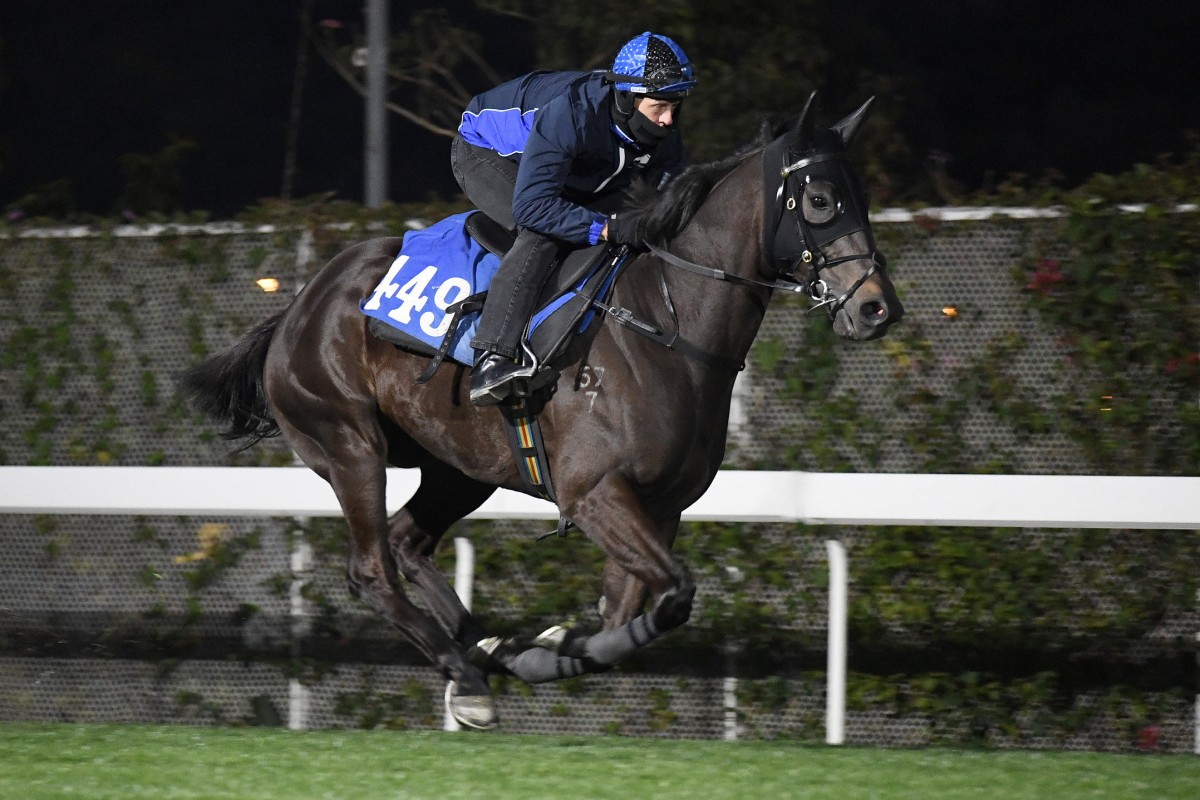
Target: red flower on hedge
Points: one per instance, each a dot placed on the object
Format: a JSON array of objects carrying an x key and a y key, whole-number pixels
[
  {"x": 1148, "y": 737},
  {"x": 1190, "y": 363},
  {"x": 1046, "y": 276}
]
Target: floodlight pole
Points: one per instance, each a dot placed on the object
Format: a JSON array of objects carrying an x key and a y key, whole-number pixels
[{"x": 375, "y": 165}]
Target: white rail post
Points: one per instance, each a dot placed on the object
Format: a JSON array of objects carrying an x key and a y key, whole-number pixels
[
  {"x": 464, "y": 579},
  {"x": 299, "y": 695},
  {"x": 729, "y": 685},
  {"x": 835, "y": 677}
]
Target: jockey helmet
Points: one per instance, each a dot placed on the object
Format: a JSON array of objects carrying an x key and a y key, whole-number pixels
[{"x": 652, "y": 64}]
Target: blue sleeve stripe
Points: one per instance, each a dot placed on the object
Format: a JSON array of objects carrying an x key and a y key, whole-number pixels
[
  {"x": 504, "y": 130},
  {"x": 597, "y": 228}
]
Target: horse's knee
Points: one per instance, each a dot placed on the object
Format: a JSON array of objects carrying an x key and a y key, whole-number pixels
[
  {"x": 410, "y": 546},
  {"x": 674, "y": 606},
  {"x": 407, "y": 563}
]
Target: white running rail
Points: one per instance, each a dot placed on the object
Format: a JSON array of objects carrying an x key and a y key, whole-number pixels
[{"x": 1024, "y": 501}]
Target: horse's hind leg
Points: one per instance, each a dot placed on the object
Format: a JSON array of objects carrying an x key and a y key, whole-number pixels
[
  {"x": 354, "y": 466},
  {"x": 444, "y": 497}
]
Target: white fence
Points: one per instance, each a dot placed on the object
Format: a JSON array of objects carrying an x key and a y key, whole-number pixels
[
  {"x": 1027, "y": 501},
  {"x": 1022, "y": 501}
]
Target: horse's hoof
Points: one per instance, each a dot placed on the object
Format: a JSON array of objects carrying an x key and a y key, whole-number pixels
[
  {"x": 552, "y": 639},
  {"x": 476, "y": 711}
]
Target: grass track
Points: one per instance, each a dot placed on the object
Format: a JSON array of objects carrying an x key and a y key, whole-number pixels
[{"x": 38, "y": 762}]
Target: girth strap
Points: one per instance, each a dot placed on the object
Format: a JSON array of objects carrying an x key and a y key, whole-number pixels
[{"x": 525, "y": 438}]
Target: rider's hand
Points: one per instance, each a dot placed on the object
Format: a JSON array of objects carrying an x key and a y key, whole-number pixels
[{"x": 621, "y": 229}]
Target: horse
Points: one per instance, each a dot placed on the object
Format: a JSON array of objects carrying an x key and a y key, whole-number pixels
[{"x": 634, "y": 429}]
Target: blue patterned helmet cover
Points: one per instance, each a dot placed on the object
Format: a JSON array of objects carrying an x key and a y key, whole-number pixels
[{"x": 651, "y": 63}]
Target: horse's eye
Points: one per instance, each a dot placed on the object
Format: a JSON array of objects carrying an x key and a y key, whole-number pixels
[{"x": 821, "y": 201}]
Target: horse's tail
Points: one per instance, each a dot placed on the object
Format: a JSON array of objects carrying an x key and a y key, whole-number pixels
[{"x": 229, "y": 387}]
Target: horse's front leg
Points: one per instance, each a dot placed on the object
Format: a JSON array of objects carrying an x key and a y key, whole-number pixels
[
  {"x": 612, "y": 515},
  {"x": 624, "y": 596}
]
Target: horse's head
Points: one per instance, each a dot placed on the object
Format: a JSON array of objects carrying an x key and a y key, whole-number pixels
[{"x": 816, "y": 230}]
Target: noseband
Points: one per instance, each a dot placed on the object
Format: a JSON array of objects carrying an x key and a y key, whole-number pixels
[{"x": 795, "y": 253}]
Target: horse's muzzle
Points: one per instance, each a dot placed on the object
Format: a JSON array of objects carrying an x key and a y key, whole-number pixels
[{"x": 869, "y": 314}]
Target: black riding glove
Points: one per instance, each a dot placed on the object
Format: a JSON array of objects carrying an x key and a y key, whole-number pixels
[{"x": 622, "y": 229}]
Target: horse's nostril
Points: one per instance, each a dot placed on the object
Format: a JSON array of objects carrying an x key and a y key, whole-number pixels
[{"x": 874, "y": 312}]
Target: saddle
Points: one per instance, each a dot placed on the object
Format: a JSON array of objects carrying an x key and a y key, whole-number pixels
[{"x": 430, "y": 299}]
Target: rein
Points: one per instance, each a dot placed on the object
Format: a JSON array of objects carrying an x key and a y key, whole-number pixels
[
  {"x": 720, "y": 274},
  {"x": 671, "y": 340}
]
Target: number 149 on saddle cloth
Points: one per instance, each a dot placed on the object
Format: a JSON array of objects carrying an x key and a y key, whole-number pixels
[{"x": 436, "y": 268}]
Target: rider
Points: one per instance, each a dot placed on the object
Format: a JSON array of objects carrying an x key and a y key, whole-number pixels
[{"x": 548, "y": 155}]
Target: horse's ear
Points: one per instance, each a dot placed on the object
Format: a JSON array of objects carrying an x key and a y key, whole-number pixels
[
  {"x": 802, "y": 136},
  {"x": 848, "y": 128}
]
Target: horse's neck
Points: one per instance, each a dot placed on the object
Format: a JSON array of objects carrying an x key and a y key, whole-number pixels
[{"x": 719, "y": 316}]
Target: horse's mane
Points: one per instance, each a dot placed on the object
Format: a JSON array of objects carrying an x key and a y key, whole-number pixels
[{"x": 661, "y": 215}]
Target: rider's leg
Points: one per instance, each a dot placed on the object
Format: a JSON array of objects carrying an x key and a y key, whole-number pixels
[
  {"x": 487, "y": 178},
  {"x": 511, "y": 299}
]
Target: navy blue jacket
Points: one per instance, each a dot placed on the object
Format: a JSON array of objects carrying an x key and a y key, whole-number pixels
[{"x": 558, "y": 127}]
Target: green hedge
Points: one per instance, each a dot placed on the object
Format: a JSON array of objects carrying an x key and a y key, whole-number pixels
[{"x": 995, "y": 635}]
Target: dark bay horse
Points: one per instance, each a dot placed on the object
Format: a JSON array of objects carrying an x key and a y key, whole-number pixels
[{"x": 635, "y": 431}]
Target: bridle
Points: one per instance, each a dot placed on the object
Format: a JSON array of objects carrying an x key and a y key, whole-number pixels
[{"x": 794, "y": 254}]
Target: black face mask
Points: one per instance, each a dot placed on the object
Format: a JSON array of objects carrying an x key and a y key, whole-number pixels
[{"x": 645, "y": 132}]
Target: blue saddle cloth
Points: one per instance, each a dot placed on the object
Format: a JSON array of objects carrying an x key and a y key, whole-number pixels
[
  {"x": 442, "y": 265},
  {"x": 437, "y": 267}
]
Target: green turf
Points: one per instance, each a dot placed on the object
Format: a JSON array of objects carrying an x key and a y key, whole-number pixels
[{"x": 129, "y": 762}]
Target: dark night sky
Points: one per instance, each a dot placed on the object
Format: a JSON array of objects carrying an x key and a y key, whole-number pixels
[{"x": 1001, "y": 86}]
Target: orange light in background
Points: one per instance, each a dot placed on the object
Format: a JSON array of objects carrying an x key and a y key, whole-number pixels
[
  {"x": 1106, "y": 402},
  {"x": 268, "y": 284},
  {"x": 950, "y": 311}
]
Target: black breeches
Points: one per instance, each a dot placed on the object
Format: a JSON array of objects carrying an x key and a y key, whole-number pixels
[{"x": 514, "y": 293}]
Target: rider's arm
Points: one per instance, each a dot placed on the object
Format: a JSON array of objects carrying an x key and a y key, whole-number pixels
[{"x": 538, "y": 201}]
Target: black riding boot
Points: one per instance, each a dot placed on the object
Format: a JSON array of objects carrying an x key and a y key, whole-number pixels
[{"x": 493, "y": 378}]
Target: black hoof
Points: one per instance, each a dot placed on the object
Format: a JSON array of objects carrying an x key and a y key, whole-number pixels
[{"x": 674, "y": 608}]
